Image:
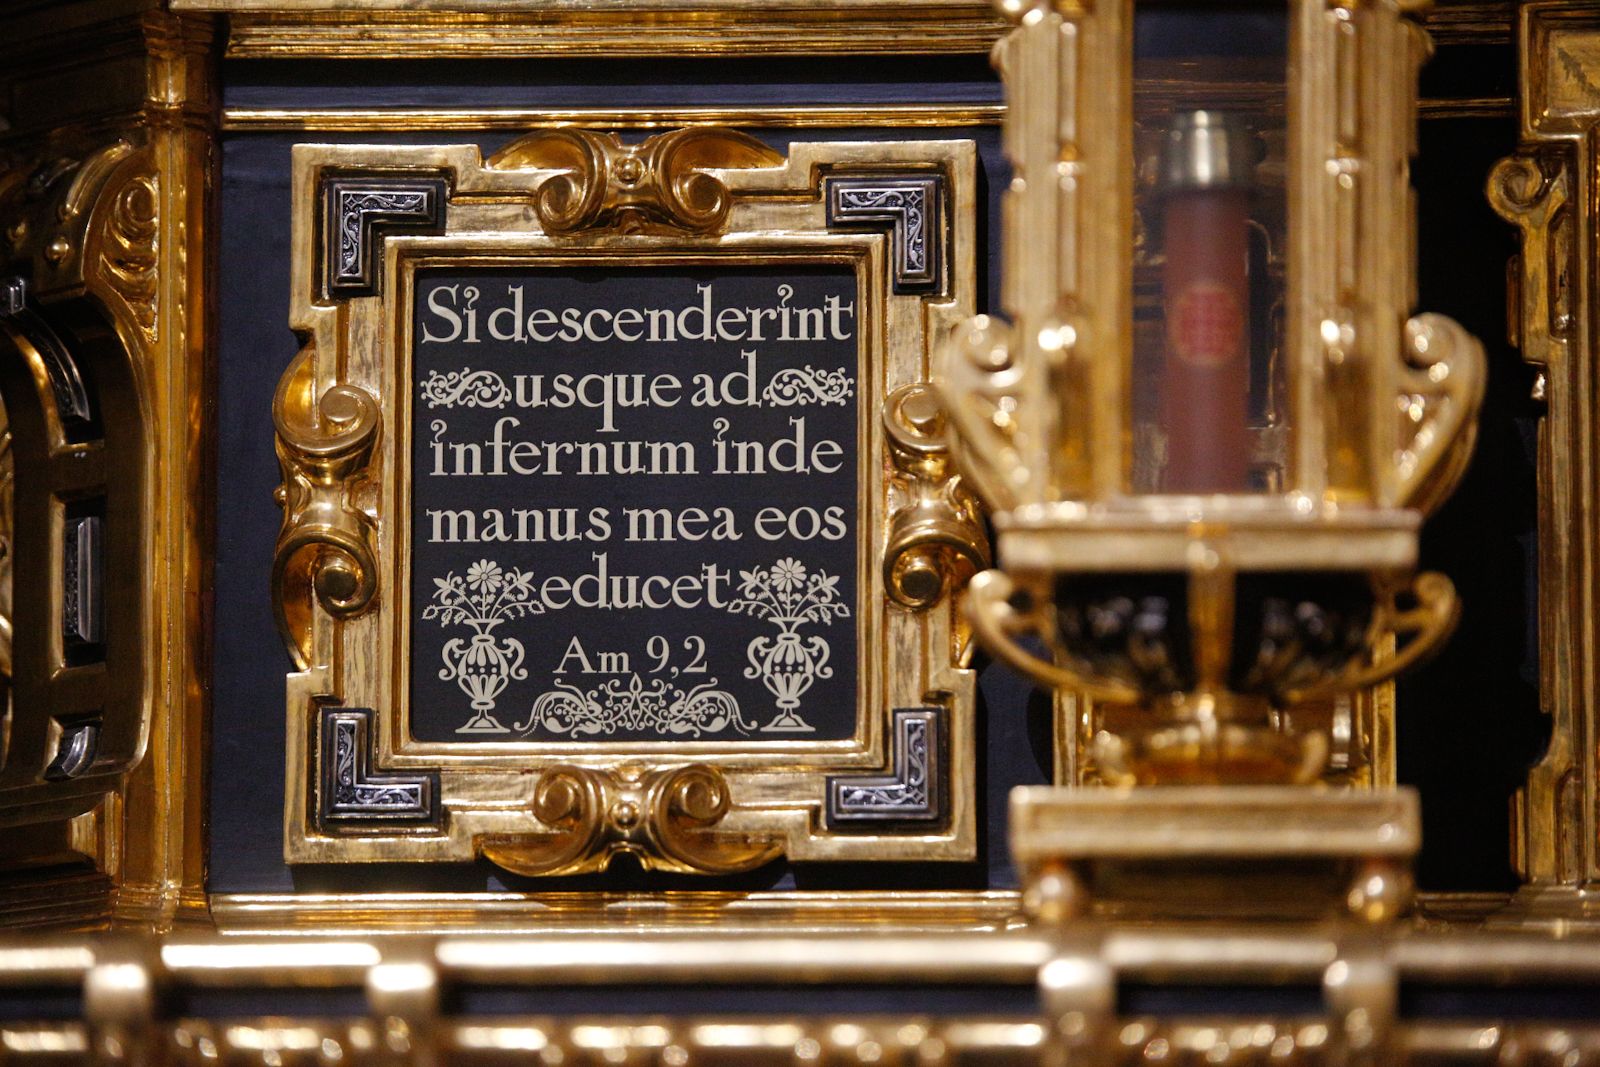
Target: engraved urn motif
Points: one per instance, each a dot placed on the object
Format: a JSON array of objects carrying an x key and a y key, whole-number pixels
[
  {"x": 789, "y": 663},
  {"x": 483, "y": 665}
]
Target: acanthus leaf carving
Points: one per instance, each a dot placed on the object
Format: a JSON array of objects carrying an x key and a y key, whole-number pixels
[
  {"x": 128, "y": 248},
  {"x": 936, "y": 535},
  {"x": 667, "y": 818},
  {"x": 659, "y": 184},
  {"x": 325, "y": 550},
  {"x": 92, "y": 219}
]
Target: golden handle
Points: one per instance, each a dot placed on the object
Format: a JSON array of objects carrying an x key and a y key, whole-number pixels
[
  {"x": 1430, "y": 623},
  {"x": 997, "y": 622},
  {"x": 1442, "y": 384}
]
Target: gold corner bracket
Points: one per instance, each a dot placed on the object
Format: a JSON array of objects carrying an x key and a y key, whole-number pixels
[{"x": 462, "y": 688}]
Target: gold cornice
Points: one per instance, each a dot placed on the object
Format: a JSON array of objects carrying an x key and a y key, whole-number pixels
[
  {"x": 375, "y": 29},
  {"x": 790, "y": 117},
  {"x": 518, "y": 29},
  {"x": 504, "y": 118}
]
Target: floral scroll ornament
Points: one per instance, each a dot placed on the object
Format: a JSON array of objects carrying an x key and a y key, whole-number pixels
[
  {"x": 788, "y": 665},
  {"x": 485, "y": 665},
  {"x": 808, "y": 385},
  {"x": 466, "y": 387},
  {"x": 636, "y": 705}
]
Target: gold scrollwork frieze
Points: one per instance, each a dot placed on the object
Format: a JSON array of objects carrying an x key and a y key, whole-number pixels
[
  {"x": 602, "y": 184},
  {"x": 667, "y": 817}
]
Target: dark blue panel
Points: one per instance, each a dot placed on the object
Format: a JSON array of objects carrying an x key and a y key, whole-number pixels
[
  {"x": 255, "y": 345},
  {"x": 641, "y": 83}
]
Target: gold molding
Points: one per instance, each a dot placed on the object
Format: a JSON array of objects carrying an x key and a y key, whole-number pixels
[
  {"x": 1547, "y": 191},
  {"x": 800, "y": 117},
  {"x": 518, "y": 28},
  {"x": 793, "y": 117},
  {"x": 792, "y": 911},
  {"x": 521, "y": 28},
  {"x": 701, "y": 198},
  {"x": 128, "y": 237}
]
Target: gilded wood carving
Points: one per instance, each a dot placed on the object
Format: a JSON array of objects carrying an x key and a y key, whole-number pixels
[
  {"x": 867, "y": 752},
  {"x": 1546, "y": 191}
]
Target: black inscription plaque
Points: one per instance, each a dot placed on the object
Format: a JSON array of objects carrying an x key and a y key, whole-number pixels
[{"x": 633, "y": 505}]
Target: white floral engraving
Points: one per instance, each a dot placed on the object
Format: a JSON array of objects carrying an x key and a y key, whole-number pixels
[
  {"x": 808, "y": 385},
  {"x": 484, "y": 665},
  {"x": 787, "y": 596},
  {"x": 467, "y": 387},
  {"x": 635, "y": 705}
]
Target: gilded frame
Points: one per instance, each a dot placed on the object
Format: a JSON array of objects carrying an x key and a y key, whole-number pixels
[
  {"x": 1547, "y": 190},
  {"x": 343, "y": 551}
]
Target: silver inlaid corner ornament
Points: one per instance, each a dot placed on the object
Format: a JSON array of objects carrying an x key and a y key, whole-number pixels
[
  {"x": 353, "y": 792},
  {"x": 910, "y": 208},
  {"x": 359, "y": 211},
  {"x": 913, "y": 789}
]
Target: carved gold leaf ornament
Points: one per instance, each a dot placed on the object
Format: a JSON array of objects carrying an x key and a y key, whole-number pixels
[
  {"x": 325, "y": 549},
  {"x": 666, "y": 818},
  {"x": 936, "y": 537},
  {"x": 603, "y": 183},
  {"x": 584, "y": 776},
  {"x": 129, "y": 253}
]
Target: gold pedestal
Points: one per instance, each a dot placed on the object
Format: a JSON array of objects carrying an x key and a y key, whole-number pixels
[{"x": 1215, "y": 852}]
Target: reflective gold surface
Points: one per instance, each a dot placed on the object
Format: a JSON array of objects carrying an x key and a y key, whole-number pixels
[
  {"x": 1063, "y": 1004},
  {"x": 121, "y": 235},
  {"x": 1382, "y": 416},
  {"x": 1546, "y": 190},
  {"x": 699, "y": 197}
]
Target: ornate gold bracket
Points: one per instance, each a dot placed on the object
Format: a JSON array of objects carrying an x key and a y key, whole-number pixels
[
  {"x": 665, "y": 817},
  {"x": 325, "y": 548},
  {"x": 936, "y": 537},
  {"x": 603, "y": 184}
]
